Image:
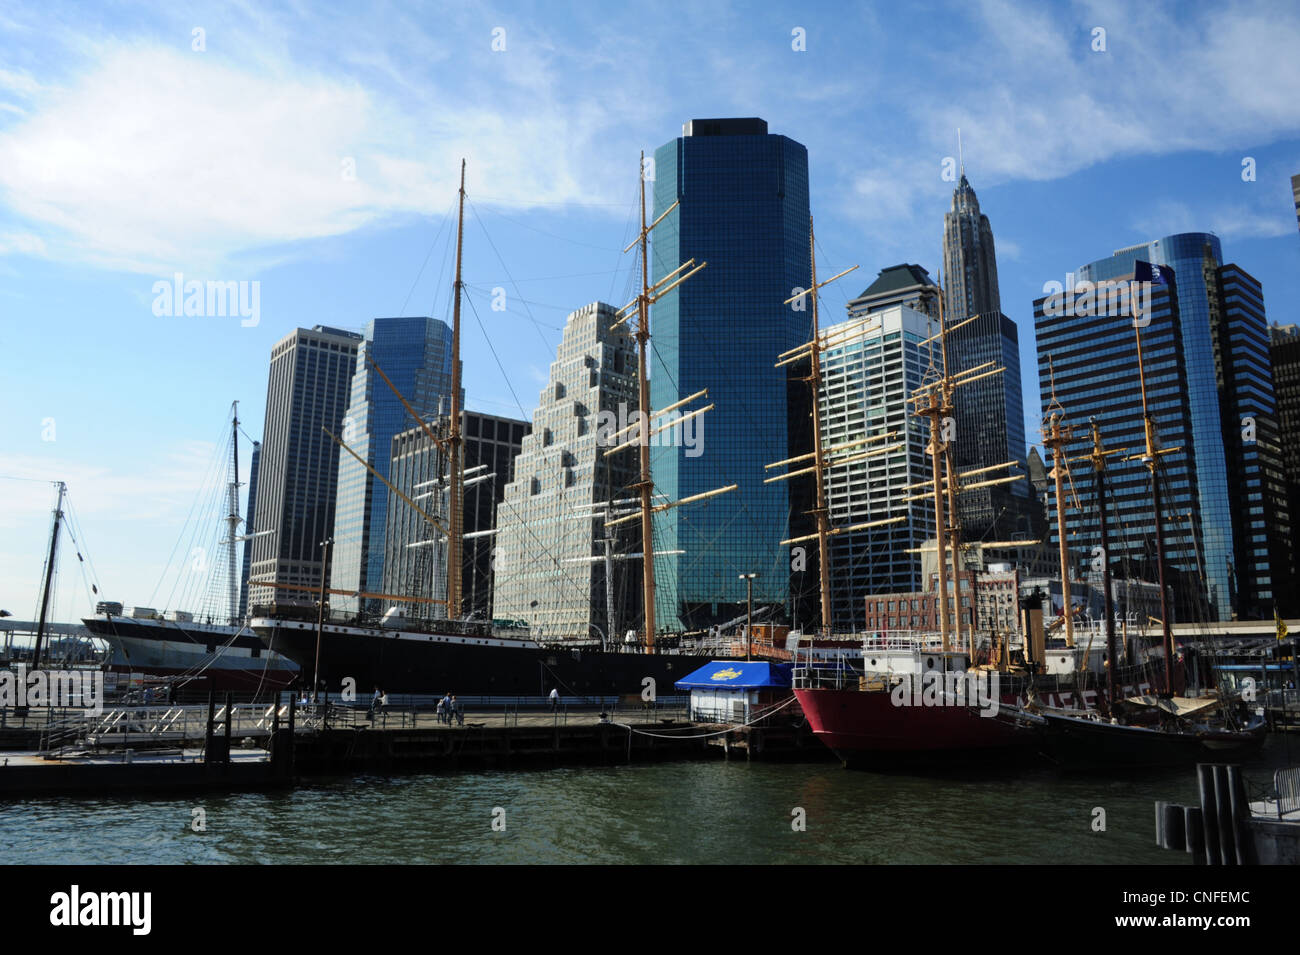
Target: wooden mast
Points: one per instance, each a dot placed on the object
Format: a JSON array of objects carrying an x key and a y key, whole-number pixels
[
  {"x": 1056, "y": 438},
  {"x": 49, "y": 576},
  {"x": 1151, "y": 459},
  {"x": 454, "y": 462},
  {"x": 954, "y": 525},
  {"x": 820, "y": 511},
  {"x": 645, "y": 485},
  {"x": 1099, "y": 482}
]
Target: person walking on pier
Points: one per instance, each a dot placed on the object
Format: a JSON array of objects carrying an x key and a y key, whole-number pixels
[
  {"x": 374, "y": 703},
  {"x": 555, "y": 699},
  {"x": 457, "y": 712},
  {"x": 445, "y": 704}
]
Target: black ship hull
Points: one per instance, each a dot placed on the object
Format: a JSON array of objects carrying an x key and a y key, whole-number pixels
[
  {"x": 1079, "y": 743},
  {"x": 466, "y": 666}
]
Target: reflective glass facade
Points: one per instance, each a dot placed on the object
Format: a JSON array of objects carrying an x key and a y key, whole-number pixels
[
  {"x": 1209, "y": 323},
  {"x": 1284, "y": 351},
  {"x": 1262, "y": 522},
  {"x": 415, "y": 354},
  {"x": 744, "y": 210},
  {"x": 1089, "y": 361}
]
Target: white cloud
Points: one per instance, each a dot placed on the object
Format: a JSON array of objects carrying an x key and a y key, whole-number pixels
[{"x": 158, "y": 159}]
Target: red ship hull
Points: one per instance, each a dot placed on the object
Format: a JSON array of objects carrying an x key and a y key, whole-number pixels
[{"x": 863, "y": 727}]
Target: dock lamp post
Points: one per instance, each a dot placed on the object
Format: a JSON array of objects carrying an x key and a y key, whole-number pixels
[
  {"x": 749, "y": 610},
  {"x": 320, "y": 616}
]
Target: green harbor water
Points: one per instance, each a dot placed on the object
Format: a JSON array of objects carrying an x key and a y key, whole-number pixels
[{"x": 693, "y": 812}]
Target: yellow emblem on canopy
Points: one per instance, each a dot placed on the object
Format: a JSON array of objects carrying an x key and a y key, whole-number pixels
[{"x": 730, "y": 673}]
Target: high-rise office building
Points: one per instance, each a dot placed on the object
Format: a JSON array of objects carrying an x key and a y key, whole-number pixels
[
  {"x": 415, "y": 552},
  {"x": 492, "y": 442},
  {"x": 415, "y": 354},
  {"x": 550, "y": 528},
  {"x": 1088, "y": 371},
  {"x": 1210, "y": 386},
  {"x": 865, "y": 386},
  {"x": 307, "y": 390},
  {"x": 989, "y": 414},
  {"x": 743, "y": 209},
  {"x": 1284, "y": 351},
  {"x": 969, "y": 261},
  {"x": 250, "y": 525}
]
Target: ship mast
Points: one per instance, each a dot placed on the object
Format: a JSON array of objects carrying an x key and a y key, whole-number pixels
[
  {"x": 821, "y": 456},
  {"x": 644, "y": 485},
  {"x": 1151, "y": 458},
  {"x": 1099, "y": 456},
  {"x": 49, "y": 575},
  {"x": 820, "y": 510},
  {"x": 1056, "y": 438},
  {"x": 934, "y": 401},
  {"x": 454, "y": 441},
  {"x": 232, "y": 516}
]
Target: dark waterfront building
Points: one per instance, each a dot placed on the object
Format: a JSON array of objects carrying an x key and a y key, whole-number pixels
[
  {"x": 308, "y": 387},
  {"x": 491, "y": 444},
  {"x": 744, "y": 210},
  {"x": 1284, "y": 349},
  {"x": 1228, "y": 526},
  {"x": 414, "y": 551},
  {"x": 990, "y": 414},
  {"x": 250, "y": 527},
  {"x": 415, "y": 354}
]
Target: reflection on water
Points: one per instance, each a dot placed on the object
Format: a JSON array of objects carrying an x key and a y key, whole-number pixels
[{"x": 698, "y": 812}]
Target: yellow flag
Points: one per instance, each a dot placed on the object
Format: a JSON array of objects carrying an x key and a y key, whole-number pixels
[{"x": 1281, "y": 626}]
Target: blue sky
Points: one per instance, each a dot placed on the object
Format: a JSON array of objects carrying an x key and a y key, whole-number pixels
[{"x": 127, "y": 155}]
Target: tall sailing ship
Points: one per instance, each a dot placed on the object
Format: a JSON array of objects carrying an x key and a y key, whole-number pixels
[
  {"x": 190, "y": 650},
  {"x": 404, "y": 654}
]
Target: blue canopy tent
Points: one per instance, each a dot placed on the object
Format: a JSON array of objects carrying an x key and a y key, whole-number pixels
[{"x": 729, "y": 692}]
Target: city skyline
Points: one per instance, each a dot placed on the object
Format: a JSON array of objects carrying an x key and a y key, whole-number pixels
[{"x": 132, "y": 428}]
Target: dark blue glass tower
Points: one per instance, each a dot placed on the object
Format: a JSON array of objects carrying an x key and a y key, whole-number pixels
[
  {"x": 1229, "y": 527},
  {"x": 415, "y": 354},
  {"x": 744, "y": 210}
]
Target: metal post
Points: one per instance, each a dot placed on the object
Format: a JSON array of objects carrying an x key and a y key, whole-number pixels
[
  {"x": 749, "y": 613},
  {"x": 320, "y": 615}
]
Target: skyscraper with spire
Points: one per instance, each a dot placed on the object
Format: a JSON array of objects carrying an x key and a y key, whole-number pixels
[{"x": 990, "y": 424}]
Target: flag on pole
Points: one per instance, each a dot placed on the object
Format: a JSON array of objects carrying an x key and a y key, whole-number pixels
[{"x": 1281, "y": 625}]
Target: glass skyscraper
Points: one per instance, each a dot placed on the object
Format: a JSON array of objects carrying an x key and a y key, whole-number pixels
[
  {"x": 744, "y": 210},
  {"x": 415, "y": 354},
  {"x": 1206, "y": 357}
]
